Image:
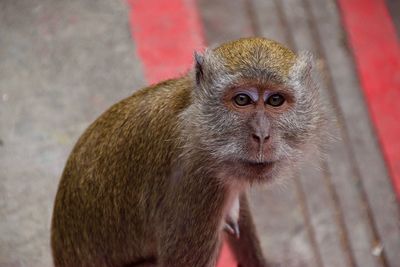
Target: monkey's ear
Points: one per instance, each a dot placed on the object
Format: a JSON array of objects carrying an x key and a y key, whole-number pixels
[
  {"x": 303, "y": 67},
  {"x": 199, "y": 62}
]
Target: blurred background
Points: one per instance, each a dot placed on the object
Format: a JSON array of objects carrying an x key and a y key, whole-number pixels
[{"x": 62, "y": 63}]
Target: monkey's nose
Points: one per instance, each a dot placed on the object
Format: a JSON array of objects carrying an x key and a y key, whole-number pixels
[{"x": 260, "y": 138}]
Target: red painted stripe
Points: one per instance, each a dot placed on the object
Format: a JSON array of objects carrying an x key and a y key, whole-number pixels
[
  {"x": 226, "y": 259},
  {"x": 166, "y": 33},
  {"x": 372, "y": 37}
]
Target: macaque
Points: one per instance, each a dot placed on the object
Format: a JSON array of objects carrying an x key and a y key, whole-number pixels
[{"x": 161, "y": 177}]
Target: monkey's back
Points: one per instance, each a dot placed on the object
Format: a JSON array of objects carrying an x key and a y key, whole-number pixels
[{"x": 106, "y": 202}]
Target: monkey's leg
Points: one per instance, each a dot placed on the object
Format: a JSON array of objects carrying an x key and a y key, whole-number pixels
[
  {"x": 191, "y": 223},
  {"x": 247, "y": 247}
]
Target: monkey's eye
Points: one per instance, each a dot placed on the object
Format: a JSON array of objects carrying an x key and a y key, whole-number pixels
[
  {"x": 275, "y": 100},
  {"x": 242, "y": 100}
]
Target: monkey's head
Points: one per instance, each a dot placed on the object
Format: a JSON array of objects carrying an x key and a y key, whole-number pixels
[{"x": 255, "y": 109}]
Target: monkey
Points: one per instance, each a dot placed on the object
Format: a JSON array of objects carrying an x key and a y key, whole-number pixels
[{"x": 160, "y": 178}]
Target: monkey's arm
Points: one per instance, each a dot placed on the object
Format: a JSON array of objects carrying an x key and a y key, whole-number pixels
[
  {"x": 247, "y": 247},
  {"x": 191, "y": 223}
]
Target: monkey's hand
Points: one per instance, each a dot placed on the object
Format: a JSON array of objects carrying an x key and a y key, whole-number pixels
[{"x": 232, "y": 227}]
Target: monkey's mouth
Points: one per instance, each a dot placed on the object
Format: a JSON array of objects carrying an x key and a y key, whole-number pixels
[{"x": 259, "y": 165}]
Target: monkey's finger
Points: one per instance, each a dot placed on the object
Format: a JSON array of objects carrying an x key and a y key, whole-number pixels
[
  {"x": 232, "y": 228},
  {"x": 229, "y": 229},
  {"x": 235, "y": 227}
]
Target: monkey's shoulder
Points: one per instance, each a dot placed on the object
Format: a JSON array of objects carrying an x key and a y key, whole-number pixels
[
  {"x": 144, "y": 121},
  {"x": 172, "y": 93}
]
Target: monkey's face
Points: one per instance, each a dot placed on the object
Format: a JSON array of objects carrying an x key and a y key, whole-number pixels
[
  {"x": 255, "y": 111},
  {"x": 260, "y": 128},
  {"x": 254, "y": 121}
]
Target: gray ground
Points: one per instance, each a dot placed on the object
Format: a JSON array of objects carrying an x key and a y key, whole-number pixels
[{"x": 62, "y": 63}]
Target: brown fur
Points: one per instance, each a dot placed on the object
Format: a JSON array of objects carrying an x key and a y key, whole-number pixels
[{"x": 152, "y": 180}]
